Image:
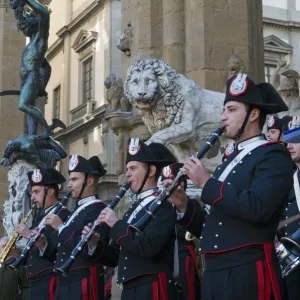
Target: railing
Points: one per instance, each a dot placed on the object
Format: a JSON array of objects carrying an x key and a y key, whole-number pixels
[{"x": 82, "y": 110}]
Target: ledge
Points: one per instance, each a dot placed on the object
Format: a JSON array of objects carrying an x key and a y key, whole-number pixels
[
  {"x": 287, "y": 25},
  {"x": 84, "y": 15},
  {"x": 88, "y": 119},
  {"x": 54, "y": 48}
]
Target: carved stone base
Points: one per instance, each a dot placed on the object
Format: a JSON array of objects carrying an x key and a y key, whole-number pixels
[{"x": 16, "y": 207}]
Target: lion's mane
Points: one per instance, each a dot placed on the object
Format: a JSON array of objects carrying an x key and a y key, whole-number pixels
[{"x": 169, "y": 101}]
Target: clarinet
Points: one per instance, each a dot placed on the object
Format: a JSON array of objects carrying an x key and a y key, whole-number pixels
[
  {"x": 64, "y": 269},
  {"x": 19, "y": 261},
  {"x": 165, "y": 194}
]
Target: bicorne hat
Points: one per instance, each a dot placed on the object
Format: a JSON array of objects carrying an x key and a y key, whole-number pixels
[
  {"x": 45, "y": 177},
  {"x": 292, "y": 130},
  {"x": 172, "y": 170},
  {"x": 155, "y": 154},
  {"x": 274, "y": 123},
  {"x": 92, "y": 166},
  {"x": 263, "y": 96}
]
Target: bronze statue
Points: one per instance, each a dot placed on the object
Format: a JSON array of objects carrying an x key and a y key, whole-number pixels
[
  {"x": 35, "y": 73},
  {"x": 35, "y": 70}
]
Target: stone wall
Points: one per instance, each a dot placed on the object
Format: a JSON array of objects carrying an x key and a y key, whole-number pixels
[
  {"x": 197, "y": 37},
  {"x": 12, "y": 120}
]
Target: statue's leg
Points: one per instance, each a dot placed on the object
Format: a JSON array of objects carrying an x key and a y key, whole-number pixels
[{"x": 28, "y": 94}]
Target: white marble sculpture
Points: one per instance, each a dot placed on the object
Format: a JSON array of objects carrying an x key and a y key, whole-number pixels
[
  {"x": 16, "y": 207},
  {"x": 115, "y": 93},
  {"x": 286, "y": 81},
  {"x": 177, "y": 112}
]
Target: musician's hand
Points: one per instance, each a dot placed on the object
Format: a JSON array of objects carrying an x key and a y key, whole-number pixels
[
  {"x": 23, "y": 230},
  {"x": 41, "y": 241},
  {"x": 196, "y": 171},
  {"x": 178, "y": 197},
  {"x": 109, "y": 217},
  {"x": 54, "y": 221},
  {"x": 95, "y": 238}
]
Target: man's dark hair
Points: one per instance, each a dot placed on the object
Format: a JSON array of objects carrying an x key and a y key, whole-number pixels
[
  {"x": 262, "y": 116},
  {"x": 55, "y": 188}
]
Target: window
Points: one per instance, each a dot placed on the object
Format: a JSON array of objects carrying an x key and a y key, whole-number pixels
[
  {"x": 87, "y": 72},
  {"x": 56, "y": 103},
  {"x": 269, "y": 69}
]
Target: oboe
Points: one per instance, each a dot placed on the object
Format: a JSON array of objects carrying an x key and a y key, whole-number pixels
[
  {"x": 64, "y": 269},
  {"x": 34, "y": 238},
  {"x": 165, "y": 194}
]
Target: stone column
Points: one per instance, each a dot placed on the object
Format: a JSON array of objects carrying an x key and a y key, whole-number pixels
[
  {"x": 174, "y": 34},
  {"x": 12, "y": 120},
  {"x": 216, "y": 29},
  {"x": 197, "y": 37}
]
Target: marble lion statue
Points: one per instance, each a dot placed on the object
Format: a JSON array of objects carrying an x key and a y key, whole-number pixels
[
  {"x": 115, "y": 93},
  {"x": 177, "y": 112}
]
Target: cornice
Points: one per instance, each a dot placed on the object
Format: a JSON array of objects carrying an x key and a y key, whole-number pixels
[
  {"x": 286, "y": 25},
  {"x": 85, "y": 122},
  {"x": 82, "y": 17},
  {"x": 54, "y": 48}
]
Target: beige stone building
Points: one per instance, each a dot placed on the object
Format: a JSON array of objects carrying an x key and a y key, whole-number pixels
[
  {"x": 12, "y": 121},
  {"x": 82, "y": 52}
]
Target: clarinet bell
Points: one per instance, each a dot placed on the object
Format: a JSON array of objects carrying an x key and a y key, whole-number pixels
[
  {"x": 65, "y": 268},
  {"x": 288, "y": 261}
]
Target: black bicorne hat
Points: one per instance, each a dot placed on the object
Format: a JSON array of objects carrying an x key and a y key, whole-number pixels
[
  {"x": 45, "y": 177},
  {"x": 172, "y": 170},
  {"x": 263, "y": 96},
  {"x": 289, "y": 122},
  {"x": 155, "y": 154},
  {"x": 92, "y": 166},
  {"x": 274, "y": 123}
]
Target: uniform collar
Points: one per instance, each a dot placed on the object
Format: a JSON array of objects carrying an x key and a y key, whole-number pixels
[
  {"x": 87, "y": 199},
  {"x": 147, "y": 193},
  {"x": 242, "y": 145}
]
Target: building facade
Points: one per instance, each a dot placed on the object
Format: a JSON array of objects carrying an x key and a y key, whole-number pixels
[
  {"x": 281, "y": 34},
  {"x": 82, "y": 52}
]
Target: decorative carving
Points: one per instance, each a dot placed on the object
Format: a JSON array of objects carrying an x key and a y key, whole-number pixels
[
  {"x": 235, "y": 65},
  {"x": 115, "y": 93},
  {"x": 125, "y": 41},
  {"x": 288, "y": 87},
  {"x": 18, "y": 203},
  {"x": 176, "y": 111}
]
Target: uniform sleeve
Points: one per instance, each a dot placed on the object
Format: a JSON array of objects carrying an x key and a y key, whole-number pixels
[
  {"x": 91, "y": 216},
  {"x": 153, "y": 238},
  {"x": 106, "y": 252},
  {"x": 193, "y": 218},
  {"x": 272, "y": 181},
  {"x": 51, "y": 235}
]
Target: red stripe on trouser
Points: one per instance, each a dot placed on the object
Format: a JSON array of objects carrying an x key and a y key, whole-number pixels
[
  {"x": 84, "y": 289},
  {"x": 260, "y": 280},
  {"x": 163, "y": 286},
  {"x": 190, "y": 276},
  {"x": 52, "y": 287},
  {"x": 155, "y": 290},
  {"x": 93, "y": 284},
  {"x": 274, "y": 283},
  {"x": 268, "y": 290},
  {"x": 194, "y": 257}
]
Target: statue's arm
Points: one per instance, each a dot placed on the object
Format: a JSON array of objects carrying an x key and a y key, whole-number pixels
[{"x": 44, "y": 15}]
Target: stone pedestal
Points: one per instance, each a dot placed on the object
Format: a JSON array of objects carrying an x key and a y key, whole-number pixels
[
  {"x": 125, "y": 125},
  {"x": 16, "y": 207}
]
